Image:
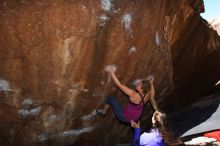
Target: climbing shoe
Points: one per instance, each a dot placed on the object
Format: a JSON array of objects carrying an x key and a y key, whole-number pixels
[{"x": 101, "y": 112}]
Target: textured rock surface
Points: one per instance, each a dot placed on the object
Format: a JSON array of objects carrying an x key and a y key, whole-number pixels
[{"x": 53, "y": 54}]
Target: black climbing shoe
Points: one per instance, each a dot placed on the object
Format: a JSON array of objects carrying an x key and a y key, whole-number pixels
[{"x": 101, "y": 112}]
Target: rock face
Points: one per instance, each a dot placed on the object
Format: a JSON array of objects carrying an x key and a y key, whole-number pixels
[{"x": 53, "y": 54}]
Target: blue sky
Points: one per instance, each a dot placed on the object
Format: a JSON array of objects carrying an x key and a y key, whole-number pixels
[{"x": 212, "y": 9}]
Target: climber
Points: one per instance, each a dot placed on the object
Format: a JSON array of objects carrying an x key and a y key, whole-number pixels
[
  {"x": 136, "y": 98},
  {"x": 158, "y": 135}
]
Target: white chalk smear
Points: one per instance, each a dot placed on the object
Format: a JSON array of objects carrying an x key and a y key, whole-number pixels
[
  {"x": 89, "y": 116},
  {"x": 4, "y": 85},
  {"x": 126, "y": 21},
  {"x": 111, "y": 67},
  {"x": 150, "y": 77},
  {"x": 103, "y": 19},
  {"x": 32, "y": 112},
  {"x": 132, "y": 50},
  {"x": 157, "y": 39},
  {"x": 35, "y": 111},
  {"x": 106, "y": 5},
  {"x": 27, "y": 102},
  {"x": 53, "y": 118},
  {"x": 70, "y": 133},
  {"x": 43, "y": 137}
]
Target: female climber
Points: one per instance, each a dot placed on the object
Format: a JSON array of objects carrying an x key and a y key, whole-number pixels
[
  {"x": 158, "y": 135},
  {"x": 137, "y": 98}
]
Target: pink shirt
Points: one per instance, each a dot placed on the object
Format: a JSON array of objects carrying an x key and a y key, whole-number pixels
[{"x": 133, "y": 111}]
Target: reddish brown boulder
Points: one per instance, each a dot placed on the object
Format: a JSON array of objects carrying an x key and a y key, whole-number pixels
[{"x": 53, "y": 54}]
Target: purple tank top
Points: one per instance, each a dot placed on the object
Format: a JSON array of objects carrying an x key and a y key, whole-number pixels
[{"x": 133, "y": 111}]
